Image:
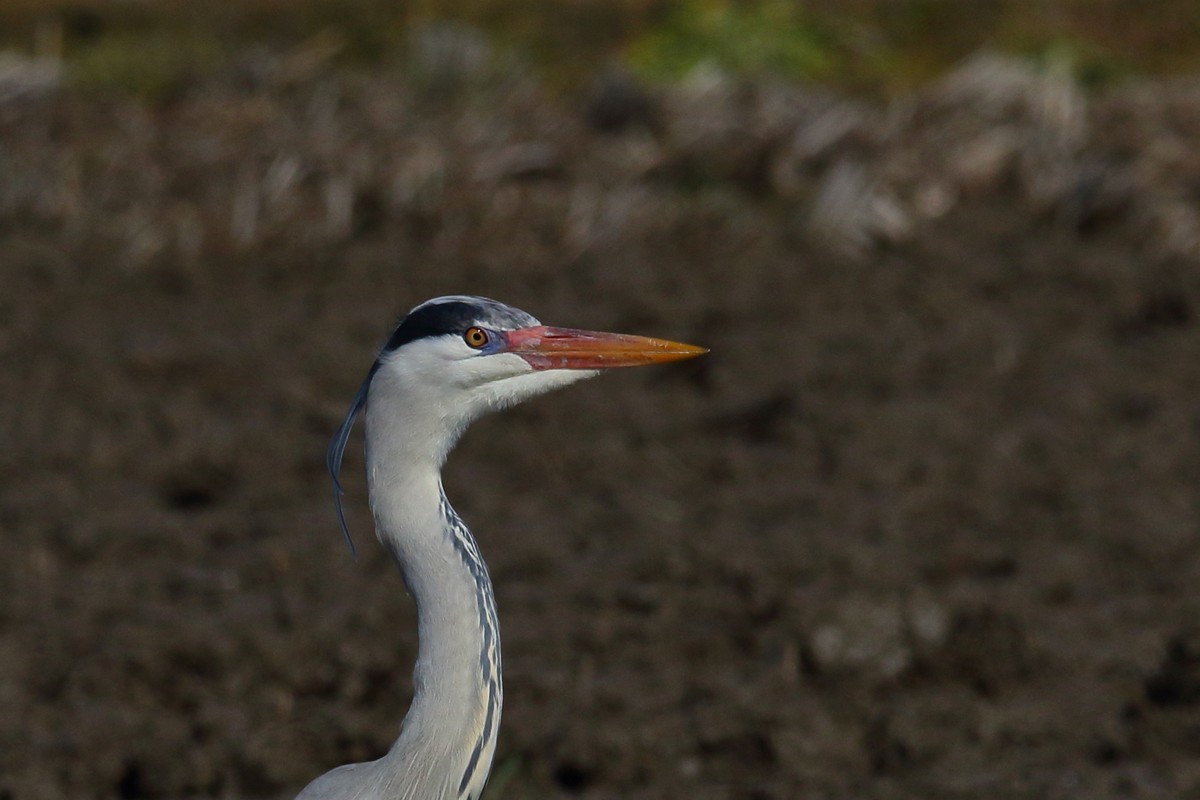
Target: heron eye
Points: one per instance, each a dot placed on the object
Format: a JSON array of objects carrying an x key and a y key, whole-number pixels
[{"x": 475, "y": 337}]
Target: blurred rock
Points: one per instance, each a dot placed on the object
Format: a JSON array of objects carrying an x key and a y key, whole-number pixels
[
  {"x": 881, "y": 639},
  {"x": 983, "y": 162},
  {"x": 852, "y": 211},
  {"x": 863, "y": 636},
  {"x": 23, "y": 77}
]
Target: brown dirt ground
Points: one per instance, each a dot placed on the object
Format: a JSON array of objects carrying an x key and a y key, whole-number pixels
[{"x": 923, "y": 525}]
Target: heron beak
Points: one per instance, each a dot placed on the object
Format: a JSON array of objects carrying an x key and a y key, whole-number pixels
[{"x": 566, "y": 348}]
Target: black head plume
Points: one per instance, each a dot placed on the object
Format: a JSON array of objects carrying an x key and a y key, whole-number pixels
[{"x": 337, "y": 448}]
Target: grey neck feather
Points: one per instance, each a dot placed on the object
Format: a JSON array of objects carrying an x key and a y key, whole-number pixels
[
  {"x": 447, "y": 740},
  {"x": 449, "y": 733}
]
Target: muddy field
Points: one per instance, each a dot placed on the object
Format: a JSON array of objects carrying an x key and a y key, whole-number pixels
[{"x": 923, "y": 525}]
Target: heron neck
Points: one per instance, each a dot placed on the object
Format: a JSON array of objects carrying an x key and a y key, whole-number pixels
[{"x": 451, "y": 726}]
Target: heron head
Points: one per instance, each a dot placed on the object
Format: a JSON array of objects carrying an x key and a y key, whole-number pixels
[{"x": 454, "y": 358}]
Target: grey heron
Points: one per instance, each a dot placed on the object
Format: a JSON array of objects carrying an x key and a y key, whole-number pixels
[{"x": 450, "y": 360}]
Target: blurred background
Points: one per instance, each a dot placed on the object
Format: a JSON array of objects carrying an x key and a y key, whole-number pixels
[{"x": 923, "y": 525}]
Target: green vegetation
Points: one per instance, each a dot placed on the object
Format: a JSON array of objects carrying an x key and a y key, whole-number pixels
[
  {"x": 873, "y": 45},
  {"x": 773, "y": 36}
]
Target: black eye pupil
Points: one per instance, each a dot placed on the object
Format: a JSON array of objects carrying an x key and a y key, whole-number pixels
[{"x": 476, "y": 337}]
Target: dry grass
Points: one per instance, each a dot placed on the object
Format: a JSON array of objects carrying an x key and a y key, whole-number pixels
[{"x": 880, "y": 45}]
